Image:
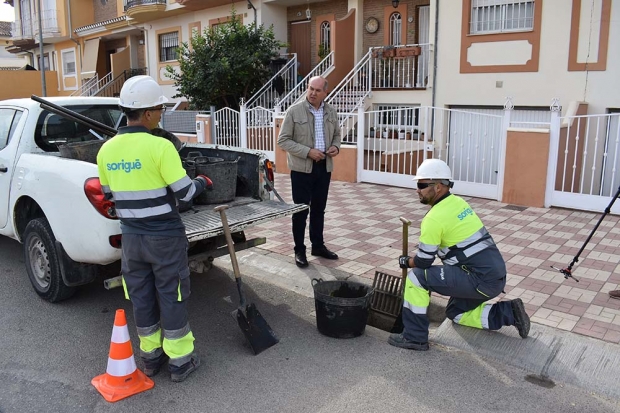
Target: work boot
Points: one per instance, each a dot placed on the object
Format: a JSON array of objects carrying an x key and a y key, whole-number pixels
[
  {"x": 398, "y": 340},
  {"x": 615, "y": 294},
  {"x": 522, "y": 320},
  {"x": 152, "y": 366},
  {"x": 178, "y": 374}
]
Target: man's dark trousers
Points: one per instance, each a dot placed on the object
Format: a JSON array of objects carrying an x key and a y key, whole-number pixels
[{"x": 310, "y": 189}]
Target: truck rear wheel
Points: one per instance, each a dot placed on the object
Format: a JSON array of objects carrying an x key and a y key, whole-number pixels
[{"x": 42, "y": 262}]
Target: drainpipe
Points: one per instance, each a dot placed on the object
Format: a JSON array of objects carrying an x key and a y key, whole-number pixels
[
  {"x": 435, "y": 54},
  {"x": 251, "y": 6},
  {"x": 434, "y": 92},
  {"x": 71, "y": 37},
  {"x": 41, "y": 64}
]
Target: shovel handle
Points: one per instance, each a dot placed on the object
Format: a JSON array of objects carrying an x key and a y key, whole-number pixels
[
  {"x": 231, "y": 247},
  {"x": 406, "y": 224}
]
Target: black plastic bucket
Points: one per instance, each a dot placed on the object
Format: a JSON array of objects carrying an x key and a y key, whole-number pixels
[
  {"x": 341, "y": 307},
  {"x": 224, "y": 176}
]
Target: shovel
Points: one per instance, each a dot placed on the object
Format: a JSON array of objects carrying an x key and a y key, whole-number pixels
[{"x": 252, "y": 324}]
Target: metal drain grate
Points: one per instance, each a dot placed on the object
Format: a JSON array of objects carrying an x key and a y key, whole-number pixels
[{"x": 515, "y": 207}]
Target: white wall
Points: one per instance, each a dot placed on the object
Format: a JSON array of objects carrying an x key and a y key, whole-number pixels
[
  {"x": 267, "y": 14},
  {"x": 531, "y": 89}
]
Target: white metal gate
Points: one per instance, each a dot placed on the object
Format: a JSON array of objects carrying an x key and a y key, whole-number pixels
[
  {"x": 226, "y": 127},
  {"x": 585, "y": 151},
  {"x": 396, "y": 141},
  {"x": 259, "y": 130}
]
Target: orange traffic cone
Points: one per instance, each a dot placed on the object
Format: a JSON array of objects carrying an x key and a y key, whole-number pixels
[{"x": 122, "y": 378}]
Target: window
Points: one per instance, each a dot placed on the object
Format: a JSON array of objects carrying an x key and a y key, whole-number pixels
[
  {"x": 326, "y": 37},
  {"x": 9, "y": 118},
  {"x": 168, "y": 45},
  {"x": 395, "y": 29},
  {"x": 52, "y": 129},
  {"x": 68, "y": 62},
  {"x": 399, "y": 116},
  {"x": 497, "y": 16}
]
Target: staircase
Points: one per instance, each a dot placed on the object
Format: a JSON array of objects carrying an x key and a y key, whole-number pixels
[
  {"x": 112, "y": 88},
  {"x": 279, "y": 85},
  {"x": 324, "y": 68},
  {"x": 350, "y": 93}
]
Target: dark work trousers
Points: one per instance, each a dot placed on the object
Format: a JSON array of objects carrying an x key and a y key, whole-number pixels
[
  {"x": 310, "y": 189},
  {"x": 466, "y": 305},
  {"x": 156, "y": 276}
]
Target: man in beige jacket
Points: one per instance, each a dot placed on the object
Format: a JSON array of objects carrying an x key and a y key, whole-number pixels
[{"x": 310, "y": 135}]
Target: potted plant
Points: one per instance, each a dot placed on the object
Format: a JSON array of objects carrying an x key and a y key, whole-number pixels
[{"x": 323, "y": 51}]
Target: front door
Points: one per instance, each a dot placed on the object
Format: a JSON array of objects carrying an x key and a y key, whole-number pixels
[{"x": 300, "y": 44}]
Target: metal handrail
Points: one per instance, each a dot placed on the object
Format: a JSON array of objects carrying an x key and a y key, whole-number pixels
[
  {"x": 133, "y": 3},
  {"x": 356, "y": 83},
  {"x": 86, "y": 87},
  {"x": 298, "y": 91},
  {"x": 261, "y": 97}
]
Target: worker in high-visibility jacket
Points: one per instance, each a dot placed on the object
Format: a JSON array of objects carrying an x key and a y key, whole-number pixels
[
  {"x": 143, "y": 175},
  {"x": 473, "y": 269}
]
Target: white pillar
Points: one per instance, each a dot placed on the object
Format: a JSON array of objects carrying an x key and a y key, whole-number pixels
[
  {"x": 554, "y": 147},
  {"x": 501, "y": 166}
]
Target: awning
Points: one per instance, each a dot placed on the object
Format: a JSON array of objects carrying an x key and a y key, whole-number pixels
[{"x": 89, "y": 61}]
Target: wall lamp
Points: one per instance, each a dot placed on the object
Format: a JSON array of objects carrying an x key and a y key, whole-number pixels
[{"x": 395, "y": 3}]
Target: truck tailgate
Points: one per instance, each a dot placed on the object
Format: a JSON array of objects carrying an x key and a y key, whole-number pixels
[{"x": 202, "y": 222}]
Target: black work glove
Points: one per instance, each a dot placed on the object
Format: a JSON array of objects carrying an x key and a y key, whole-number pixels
[{"x": 403, "y": 261}]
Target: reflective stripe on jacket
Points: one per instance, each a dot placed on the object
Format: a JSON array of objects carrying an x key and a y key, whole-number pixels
[{"x": 143, "y": 174}]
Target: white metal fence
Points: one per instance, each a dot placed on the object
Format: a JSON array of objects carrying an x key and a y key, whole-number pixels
[{"x": 585, "y": 150}]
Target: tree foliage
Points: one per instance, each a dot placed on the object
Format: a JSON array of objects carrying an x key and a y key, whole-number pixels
[{"x": 225, "y": 63}]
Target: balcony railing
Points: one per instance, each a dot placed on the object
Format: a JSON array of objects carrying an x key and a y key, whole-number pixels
[
  {"x": 22, "y": 29},
  {"x": 49, "y": 23},
  {"x": 134, "y": 3}
]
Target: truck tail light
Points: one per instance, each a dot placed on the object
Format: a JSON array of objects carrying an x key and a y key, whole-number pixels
[
  {"x": 269, "y": 171},
  {"x": 94, "y": 193}
]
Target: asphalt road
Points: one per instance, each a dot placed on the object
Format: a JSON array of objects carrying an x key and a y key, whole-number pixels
[{"x": 50, "y": 352}]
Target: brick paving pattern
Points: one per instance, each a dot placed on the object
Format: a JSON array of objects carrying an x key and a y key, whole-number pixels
[{"x": 362, "y": 225}]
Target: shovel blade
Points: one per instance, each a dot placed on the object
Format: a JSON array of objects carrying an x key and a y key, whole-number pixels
[{"x": 255, "y": 328}]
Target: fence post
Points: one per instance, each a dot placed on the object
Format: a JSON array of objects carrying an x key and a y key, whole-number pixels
[
  {"x": 243, "y": 125},
  {"x": 212, "y": 124},
  {"x": 501, "y": 166},
  {"x": 554, "y": 147},
  {"x": 361, "y": 126}
]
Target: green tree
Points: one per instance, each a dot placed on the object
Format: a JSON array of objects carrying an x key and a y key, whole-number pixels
[{"x": 225, "y": 63}]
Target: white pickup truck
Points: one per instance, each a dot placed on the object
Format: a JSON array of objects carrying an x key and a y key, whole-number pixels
[{"x": 54, "y": 205}]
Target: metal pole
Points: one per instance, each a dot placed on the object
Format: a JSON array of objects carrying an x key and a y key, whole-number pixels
[{"x": 41, "y": 64}]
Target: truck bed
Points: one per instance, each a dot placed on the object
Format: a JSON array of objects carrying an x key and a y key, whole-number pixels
[{"x": 202, "y": 222}]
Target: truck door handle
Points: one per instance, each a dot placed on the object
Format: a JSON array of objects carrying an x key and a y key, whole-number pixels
[{"x": 4, "y": 169}]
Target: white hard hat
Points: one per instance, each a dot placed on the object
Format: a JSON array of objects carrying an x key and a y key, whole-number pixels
[
  {"x": 141, "y": 92},
  {"x": 433, "y": 169}
]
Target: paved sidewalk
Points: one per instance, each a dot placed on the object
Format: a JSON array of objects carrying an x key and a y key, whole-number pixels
[{"x": 362, "y": 225}]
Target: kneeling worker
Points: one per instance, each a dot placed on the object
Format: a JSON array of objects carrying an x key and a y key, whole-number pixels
[{"x": 473, "y": 269}]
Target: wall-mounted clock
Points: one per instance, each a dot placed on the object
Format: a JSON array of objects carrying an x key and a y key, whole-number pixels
[{"x": 372, "y": 25}]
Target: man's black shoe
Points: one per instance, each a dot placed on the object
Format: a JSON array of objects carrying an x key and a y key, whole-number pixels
[
  {"x": 301, "y": 260},
  {"x": 152, "y": 366},
  {"x": 325, "y": 253},
  {"x": 178, "y": 374},
  {"x": 398, "y": 340},
  {"x": 522, "y": 320}
]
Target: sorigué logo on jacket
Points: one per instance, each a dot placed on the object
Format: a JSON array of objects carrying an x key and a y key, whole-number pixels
[
  {"x": 463, "y": 215},
  {"x": 124, "y": 166}
]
